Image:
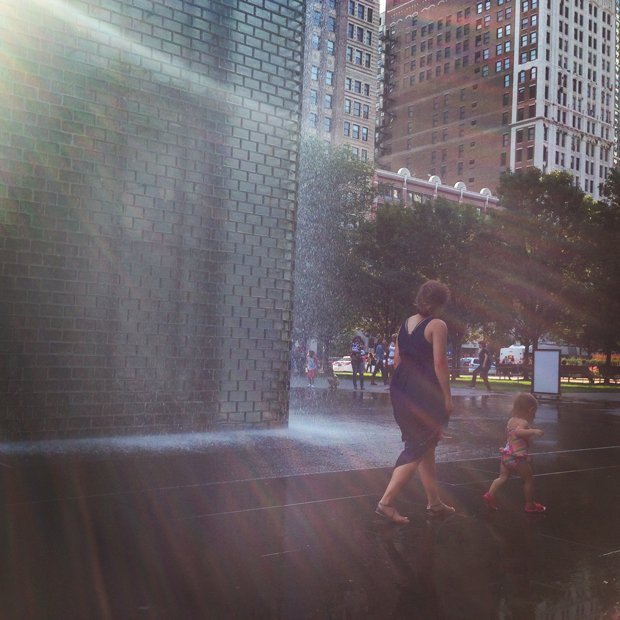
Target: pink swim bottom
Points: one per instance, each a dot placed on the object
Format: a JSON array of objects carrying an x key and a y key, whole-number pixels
[{"x": 512, "y": 460}]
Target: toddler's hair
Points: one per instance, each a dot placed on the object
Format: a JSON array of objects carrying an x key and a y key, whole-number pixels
[
  {"x": 311, "y": 353},
  {"x": 523, "y": 402}
]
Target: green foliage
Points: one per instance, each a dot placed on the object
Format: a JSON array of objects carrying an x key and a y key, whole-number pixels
[
  {"x": 401, "y": 247},
  {"x": 536, "y": 249}
]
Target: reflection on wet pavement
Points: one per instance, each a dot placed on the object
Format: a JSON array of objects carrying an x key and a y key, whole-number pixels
[{"x": 280, "y": 525}]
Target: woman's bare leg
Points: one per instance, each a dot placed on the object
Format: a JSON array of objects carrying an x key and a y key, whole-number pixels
[
  {"x": 428, "y": 477},
  {"x": 400, "y": 477}
]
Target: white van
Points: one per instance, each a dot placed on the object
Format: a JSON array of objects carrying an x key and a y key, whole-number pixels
[{"x": 512, "y": 355}]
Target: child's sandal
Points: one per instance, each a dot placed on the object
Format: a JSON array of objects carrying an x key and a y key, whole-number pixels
[{"x": 489, "y": 500}]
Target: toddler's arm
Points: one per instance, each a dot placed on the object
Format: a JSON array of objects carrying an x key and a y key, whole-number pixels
[{"x": 526, "y": 431}]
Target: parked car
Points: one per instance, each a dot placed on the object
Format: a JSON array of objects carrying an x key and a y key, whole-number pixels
[
  {"x": 475, "y": 362},
  {"x": 466, "y": 361},
  {"x": 343, "y": 365}
]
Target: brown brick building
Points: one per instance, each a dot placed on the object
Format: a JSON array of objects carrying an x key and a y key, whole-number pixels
[{"x": 471, "y": 89}]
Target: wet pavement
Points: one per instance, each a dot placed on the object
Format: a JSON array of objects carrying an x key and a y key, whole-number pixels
[{"x": 280, "y": 524}]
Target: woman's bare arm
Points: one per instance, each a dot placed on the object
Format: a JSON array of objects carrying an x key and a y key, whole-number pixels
[{"x": 436, "y": 333}]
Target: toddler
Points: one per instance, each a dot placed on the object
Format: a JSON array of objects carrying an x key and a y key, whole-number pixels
[{"x": 515, "y": 455}]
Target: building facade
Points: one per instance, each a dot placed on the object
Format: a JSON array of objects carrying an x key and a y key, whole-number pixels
[
  {"x": 471, "y": 90},
  {"x": 400, "y": 186},
  {"x": 340, "y": 72}
]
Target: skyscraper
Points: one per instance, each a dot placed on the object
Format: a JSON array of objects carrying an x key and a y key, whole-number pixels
[
  {"x": 340, "y": 72},
  {"x": 473, "y": 89}
]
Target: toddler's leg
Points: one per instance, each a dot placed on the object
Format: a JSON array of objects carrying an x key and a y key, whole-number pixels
[
  {"x": 504, "y": 476},
  {"x": 525, "y": 471}
]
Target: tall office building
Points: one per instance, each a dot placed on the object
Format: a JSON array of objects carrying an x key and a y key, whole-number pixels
[
  {"x": 471, "y": 90},
  {"x": 340, "y": 72}
]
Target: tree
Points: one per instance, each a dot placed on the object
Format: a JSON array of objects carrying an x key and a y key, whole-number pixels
[
  {"x": 600, "y": 299},
  {"x": 401, "y": 247},
  {"x": 535, "y": 249},
  {"x": 335, "y": 193}
]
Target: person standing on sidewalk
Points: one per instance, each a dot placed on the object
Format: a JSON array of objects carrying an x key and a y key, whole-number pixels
[
  {"x": 390, "y": 360},
  {"x": 357, "y": 361},
  {"x": 421, "y": 399},
  {"x": 483, "y": 368},
  {"x": 379, "y": 362}
]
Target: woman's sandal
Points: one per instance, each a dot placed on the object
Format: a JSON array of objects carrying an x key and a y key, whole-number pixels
[
  {"x": 393, "y": 516},
  {"x": 439, "y": 509}
]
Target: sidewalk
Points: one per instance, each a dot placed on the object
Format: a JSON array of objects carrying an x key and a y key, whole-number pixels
[
  {"x": 218, "y": 527},
  {"x": 346, "y": 384}
]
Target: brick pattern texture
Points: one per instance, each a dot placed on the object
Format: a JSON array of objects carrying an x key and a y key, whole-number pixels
[{"x": 148, "y": 179}]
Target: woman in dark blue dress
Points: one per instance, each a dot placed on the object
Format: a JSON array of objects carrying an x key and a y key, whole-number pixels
[{"x": 421, "y": 398}]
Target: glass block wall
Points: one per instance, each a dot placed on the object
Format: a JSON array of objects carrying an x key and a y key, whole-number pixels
[{"x": 148, "y": 165}]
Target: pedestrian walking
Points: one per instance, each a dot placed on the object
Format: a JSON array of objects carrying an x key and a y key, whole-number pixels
[
  {"x": 390, "y": 359},
  {"x": 379, "y": 363},
  {"x": 483, "y": 367},
  {"x": 421, "y": 399},
  {"x": 357, "y": 361},
  {"x": 515, "y": 455}
]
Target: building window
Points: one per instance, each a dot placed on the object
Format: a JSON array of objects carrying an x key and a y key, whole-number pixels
[
  {"x": 505, "y": 139},
  {"x": 347, "y": 106},
  {"x": 502, "y": 160},
  {"x": 358, "y": 57},
  {"x": 519, "y": 155},
  {"x": 314, "y": 73},
  {"x": 365, "y": 134},
  {"x": 331, "y": 24},
  {"x": 317, "y": 18},
  {"x": 365, "y": 111},
  {"x": 313, "y": 96},
  {"x": 530, "y": 153},
  {"x": 357, "y": 107},
  {"x": 312, "y": 119},
  {"x": 355, "y": 133},
  {"x": 349, "y": 54},
  {"x": 329, "y": 77},
  {"x": 327, "y": 124},
  {"x": 330, "y": 48},
  {"x": 328, "y": 101},
  {"x": 357, "y": 87},
  {"x": 347, "y": 128}
]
